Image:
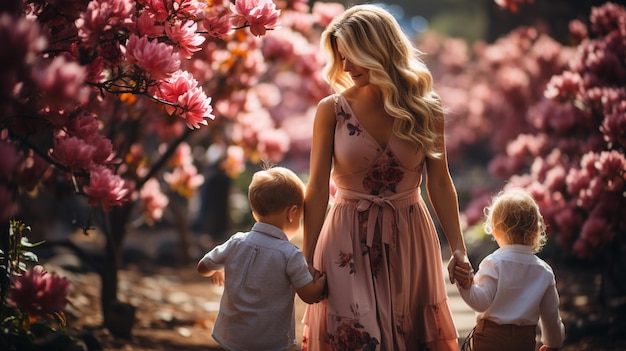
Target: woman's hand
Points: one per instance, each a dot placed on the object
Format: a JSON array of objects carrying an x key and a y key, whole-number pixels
[{"x": 458, "y": 258}]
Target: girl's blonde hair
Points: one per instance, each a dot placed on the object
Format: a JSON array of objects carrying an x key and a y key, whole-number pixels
[
  {"x": 373, "y": 39},
  {"x": 516, "y": 215},
  {"x": 274, "y": 189}
]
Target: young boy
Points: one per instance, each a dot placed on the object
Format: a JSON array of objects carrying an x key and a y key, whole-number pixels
[
  {"x": 513, "y": 290},
  {"x": 263, "y": 270}
]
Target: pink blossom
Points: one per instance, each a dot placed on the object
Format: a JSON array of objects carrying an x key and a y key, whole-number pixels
[
  {"x": 153, "y": 201},
  {"x": 62, "y": 82},
  {"x": 176, "y": 85},
  {"x": 105, "y": 188},
  {"x": 612, "y": 168},
  {"x": 163, "y": 10},
  {"x": 158, "y": 59},
  {"x": 196, "y": 107},
  {"x": 578, "y": 30},
  {"x": 260, "y": 15},
  {"x": 184, "y": 180},
  {"x": 563, "y": 87},
  {"x": 39, "y": 293},
  {"x": 104, "y": 149},
  {"x": 235, "y": 161},
  {"x": 217, "y": 21},
  {"x": 21, "y": 43},
  {"x": 614, "y": 124},
  {"x": 158, "y": 9},
  {"x": 273, "y": 144},
  {"x": 147, "y": 25},
  {"x": 325, "y": 12},
  {"x": 282, "y": 46},
  {"x": 185, "y": 37},
  {"x": 596, "y": 231},
  {"x": 83, "y": 125},
  {"x": 182, "y": 156},
  {"x": 73, "y": 152},
  {"x": 102, "y": 16}
]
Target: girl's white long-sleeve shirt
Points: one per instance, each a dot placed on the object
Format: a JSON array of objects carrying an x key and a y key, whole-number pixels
[{"x": 513, "y": 286}]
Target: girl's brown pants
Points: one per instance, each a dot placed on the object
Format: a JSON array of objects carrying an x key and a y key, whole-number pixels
[{"x": 490, "y": 336}]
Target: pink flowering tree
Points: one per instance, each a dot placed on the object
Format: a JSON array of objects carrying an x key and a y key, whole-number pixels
[
  {"x": 110, "y": 97},
  {"x": 550, "y": 118}
]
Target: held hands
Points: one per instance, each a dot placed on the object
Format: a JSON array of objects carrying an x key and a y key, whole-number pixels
[
  {"x": 319, "y": 279},
  {"x": 460, "y": 270},
  {"x": 464, "y": 274}
]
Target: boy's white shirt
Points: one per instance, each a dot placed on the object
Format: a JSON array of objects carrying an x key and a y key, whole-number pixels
[{"x": 513, "y": 286}]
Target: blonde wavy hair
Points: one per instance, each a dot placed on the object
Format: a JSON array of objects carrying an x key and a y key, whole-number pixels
[
  {"x": 515, "y": 214},
  {"x": 373, "y": 39}
]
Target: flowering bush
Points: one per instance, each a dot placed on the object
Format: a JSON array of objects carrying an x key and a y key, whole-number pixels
[
  {"x": 28, "y": 297},
  {"x": 549, "y": 118}
]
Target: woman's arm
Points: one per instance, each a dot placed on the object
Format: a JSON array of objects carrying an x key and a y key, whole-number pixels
[
  {"x": 317, "y": 190},
  {"x": 444, "y": 200}
]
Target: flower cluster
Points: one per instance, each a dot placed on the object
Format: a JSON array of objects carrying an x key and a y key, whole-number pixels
[
  {"x": 259, "y": 15},
  {"x": 351, "y": 335},
  {"x": 28, "y": 296},
  {"x": 39, "y": 293},
  {"x": 384, "y": 176}
]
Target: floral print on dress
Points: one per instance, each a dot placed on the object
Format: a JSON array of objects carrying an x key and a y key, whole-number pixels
[
  {"x": 350, "y": 335},
  {"x": 345, "y": 259},
  {"x": 384, "y": 175},
  {"x": 353, "y": 128}
]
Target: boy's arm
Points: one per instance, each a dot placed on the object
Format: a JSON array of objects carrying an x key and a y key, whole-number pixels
[
  {"x": 481, "y": 292},
  {"x": 552, "y": 328},
  {"x": 314, "y": 291},
  {"x": 204, "y": 270}
]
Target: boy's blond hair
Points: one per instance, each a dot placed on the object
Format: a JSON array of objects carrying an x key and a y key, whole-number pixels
[
  {"x": 515, "y": 214},
  {"x": 274, "y": 189}
]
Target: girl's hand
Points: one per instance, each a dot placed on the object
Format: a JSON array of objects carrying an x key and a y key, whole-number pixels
[{"x": 464, "y": 274}]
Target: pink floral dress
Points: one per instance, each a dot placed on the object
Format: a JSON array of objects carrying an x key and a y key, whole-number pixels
[{"x": 379, "y": 249}]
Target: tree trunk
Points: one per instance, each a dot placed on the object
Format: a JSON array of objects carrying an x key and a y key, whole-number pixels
[{"x": 118, "y": 317}]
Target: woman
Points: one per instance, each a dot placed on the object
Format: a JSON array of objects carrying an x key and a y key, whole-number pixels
[{"x": 378, "y": 245}]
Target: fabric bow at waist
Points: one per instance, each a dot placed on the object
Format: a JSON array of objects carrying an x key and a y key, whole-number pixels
[{"x": 375, "y": 204}]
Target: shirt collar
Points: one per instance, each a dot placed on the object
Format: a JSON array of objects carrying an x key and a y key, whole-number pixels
[
  {"x": 518, "y": 248},
  {"x": 270, "y": 230}
]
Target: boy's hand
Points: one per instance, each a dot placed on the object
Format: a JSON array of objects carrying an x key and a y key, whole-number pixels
[
  {"x": 319, "y": 280},
  {"x": 464, "y": 274},
  {"x": 218, "y": 278}
]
